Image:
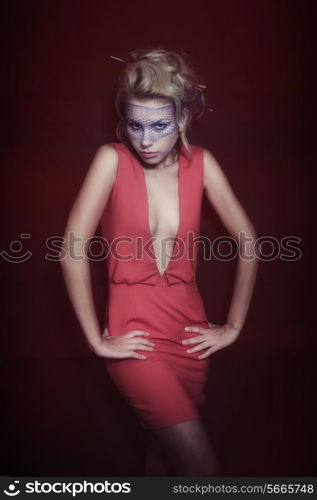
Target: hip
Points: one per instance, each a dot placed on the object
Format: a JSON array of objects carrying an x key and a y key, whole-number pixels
[{"x": 163, "y": 311}]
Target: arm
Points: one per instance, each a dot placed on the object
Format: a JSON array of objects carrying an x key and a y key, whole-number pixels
[
  {"x": 82, "y": 223},
  {"x": 235, "y": 220}
]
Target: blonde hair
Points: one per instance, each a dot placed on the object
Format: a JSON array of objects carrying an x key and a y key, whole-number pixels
[{"x": 159, "y": 73}]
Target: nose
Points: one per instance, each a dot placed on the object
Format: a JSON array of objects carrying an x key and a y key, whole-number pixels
[{"x": 146, "y": 137}]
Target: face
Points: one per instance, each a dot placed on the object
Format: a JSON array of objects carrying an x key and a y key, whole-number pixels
[{"x": 151, "y": 128}]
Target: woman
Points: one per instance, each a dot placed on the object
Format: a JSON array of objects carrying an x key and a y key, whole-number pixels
[{"x": 146, "y": 191}]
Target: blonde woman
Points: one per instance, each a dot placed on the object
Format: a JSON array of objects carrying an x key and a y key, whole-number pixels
[{"x": 146, "y": 191}]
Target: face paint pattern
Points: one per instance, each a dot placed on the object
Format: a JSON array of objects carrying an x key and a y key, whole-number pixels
[{"x": 149, "y": 124}]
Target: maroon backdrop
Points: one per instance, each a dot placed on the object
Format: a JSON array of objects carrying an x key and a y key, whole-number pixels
[{"x": 61, "y": 413}]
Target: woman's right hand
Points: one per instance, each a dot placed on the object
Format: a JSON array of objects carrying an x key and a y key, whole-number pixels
[{"x": 122, "y": 346}]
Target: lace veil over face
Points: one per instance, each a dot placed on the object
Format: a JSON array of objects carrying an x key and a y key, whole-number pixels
[{"x": 149, "y": 124}]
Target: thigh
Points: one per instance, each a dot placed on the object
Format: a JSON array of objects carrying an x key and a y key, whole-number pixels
[
  {"x": 186, "y": 441},
  {"x": 153, "y": 389}
]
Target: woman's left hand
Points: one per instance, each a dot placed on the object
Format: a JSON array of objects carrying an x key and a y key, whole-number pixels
[{"x": 213, "y": 338}]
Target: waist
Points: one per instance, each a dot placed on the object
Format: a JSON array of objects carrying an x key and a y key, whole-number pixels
[{"x": 161, "y": 280}]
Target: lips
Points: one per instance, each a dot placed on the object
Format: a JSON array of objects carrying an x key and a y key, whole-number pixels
[{"x": 147, "y": 154}]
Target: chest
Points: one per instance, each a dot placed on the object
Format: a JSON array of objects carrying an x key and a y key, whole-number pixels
[{"x": 162, "y": 195}]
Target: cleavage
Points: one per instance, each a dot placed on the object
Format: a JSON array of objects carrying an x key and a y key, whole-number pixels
[{"x": 163, "y": 212}]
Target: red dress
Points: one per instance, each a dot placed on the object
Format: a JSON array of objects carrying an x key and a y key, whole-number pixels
[{"x": 168, "y": 386}]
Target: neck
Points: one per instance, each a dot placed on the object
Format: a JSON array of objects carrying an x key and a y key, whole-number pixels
[{"x": 170, "y": 159}]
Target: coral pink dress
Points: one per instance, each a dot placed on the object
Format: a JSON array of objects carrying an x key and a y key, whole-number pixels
[{"x": 168, "y": 386}]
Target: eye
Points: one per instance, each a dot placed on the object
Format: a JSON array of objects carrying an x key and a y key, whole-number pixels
[
  {"x": 160, "y": 125},
  {"x": 134, "y": 126}
]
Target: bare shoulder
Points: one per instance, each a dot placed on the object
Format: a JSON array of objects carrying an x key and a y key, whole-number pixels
[
  {"x": 214, "y": 177},
  {"x": 208, "y": 156},
  {"x": 94, "y": 192},
  {"x": 107, "y": 155},
  {"x": 104, "y": 165},
  {"x": 108, "y": 149}
]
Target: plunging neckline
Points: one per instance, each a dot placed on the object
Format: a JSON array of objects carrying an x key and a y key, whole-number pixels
[{"x": 147, "y": 212}]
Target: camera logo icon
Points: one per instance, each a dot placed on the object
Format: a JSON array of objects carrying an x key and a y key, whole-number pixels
[{"x": 13, "y": 491}]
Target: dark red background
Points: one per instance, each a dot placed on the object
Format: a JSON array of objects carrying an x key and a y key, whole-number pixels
[{"x": 62, "y": 415}]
